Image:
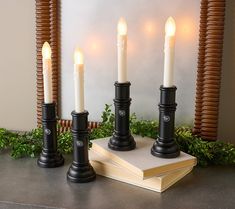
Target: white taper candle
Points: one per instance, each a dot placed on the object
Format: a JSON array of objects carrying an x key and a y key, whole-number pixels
[
  {"x": 47, "y": 73},
  {"x": 122, "y": 50},
  {"x": 79, "y": 81},
  {"x": 169, "y": 51}
]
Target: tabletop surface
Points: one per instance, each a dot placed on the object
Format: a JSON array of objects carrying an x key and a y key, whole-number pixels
[{"x": 23, "y": 182}]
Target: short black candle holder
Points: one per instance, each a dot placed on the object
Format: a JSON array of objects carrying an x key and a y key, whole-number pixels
[
  {"x": 122, "y": 140},
  {"x": 165, "y": 146},
  {"x": 81, "y": 170},
  {"x": 49, "y": 157}
]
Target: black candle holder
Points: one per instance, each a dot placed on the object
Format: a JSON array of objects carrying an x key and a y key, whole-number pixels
[
  {"x": 165, "y": 146},
  {"x": 49, "y": 157},
  {"x": 81, "y": 170},
  {"x": 122, "y": 140}
]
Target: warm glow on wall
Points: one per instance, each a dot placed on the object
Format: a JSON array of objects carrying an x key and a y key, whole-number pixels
[
  {"x": 150, "y": 28},
  {"x": 187, "y": 28},
  {"x": 94, "y": 45}
]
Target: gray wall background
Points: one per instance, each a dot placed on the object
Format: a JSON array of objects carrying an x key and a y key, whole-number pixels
[
  {"x": 227, "y": 93},
  {"x": 92, "y": 26},
  {"x": 18, "y": 64}
]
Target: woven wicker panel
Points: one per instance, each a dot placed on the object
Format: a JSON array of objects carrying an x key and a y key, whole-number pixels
[
  {"x": 200, "y": 67},
  {"x": 54, "y": 33},
  {"x": 212, "y": 72},
  {"x": 65, "y": 125},
  {"x": 209, "y": 68},
  {"x": 42, "y": 35}
]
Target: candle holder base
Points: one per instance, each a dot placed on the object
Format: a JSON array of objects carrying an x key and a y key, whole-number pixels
[
  {"x": 165, "y": 150},
  {"x": 79, "y": 173},
  {"x": 120, "y": 143},
  {"x": 50, "y": 159}
]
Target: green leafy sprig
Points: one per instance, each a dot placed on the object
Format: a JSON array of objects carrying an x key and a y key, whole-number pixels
[{"x": 29, "y": 144}]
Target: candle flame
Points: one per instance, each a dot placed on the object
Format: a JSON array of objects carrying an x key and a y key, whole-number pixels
[
  {"x": 170, "y": 27},
  {"x": 122, "y": 26},
  {"x": 46, "y": 51},
  {"x": 78, "y": 56},
  {"x": 150, "y": 29}
]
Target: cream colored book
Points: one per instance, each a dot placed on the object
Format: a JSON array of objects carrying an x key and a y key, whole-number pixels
[
  {"x": 106, "y": 167},
  {"x": 140, "y": 160}
]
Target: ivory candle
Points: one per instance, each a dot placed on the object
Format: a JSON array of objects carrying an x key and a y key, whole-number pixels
[
  {"x": 47, "y": 73},
  {"x": 169, "y": 50},
  {"x": 79, "y": 81},
  {"x": 122, "y": 50}
]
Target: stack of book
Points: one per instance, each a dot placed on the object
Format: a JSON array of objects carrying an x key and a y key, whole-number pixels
[{"x": 138, "y": 167}]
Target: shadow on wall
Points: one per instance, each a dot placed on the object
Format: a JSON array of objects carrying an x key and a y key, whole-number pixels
[{"x": 226, "y": 129}]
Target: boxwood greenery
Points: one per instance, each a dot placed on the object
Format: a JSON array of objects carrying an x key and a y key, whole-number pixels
[{"x": 29, "y": 144}]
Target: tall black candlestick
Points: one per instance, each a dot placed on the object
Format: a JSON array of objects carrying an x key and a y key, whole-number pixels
[
  {"x": 122, "y": 140},
  {"x": 165, "y": 146},
  {"x": 81, "y": 170},
  {"x": 49, "y": 157}
]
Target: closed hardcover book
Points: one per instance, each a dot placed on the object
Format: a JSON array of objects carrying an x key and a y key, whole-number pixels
[
  {"x": 106, "y": 167},
  {"x": 140, "y": 161}
]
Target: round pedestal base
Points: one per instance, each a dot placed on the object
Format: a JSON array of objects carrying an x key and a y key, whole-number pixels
[
  {"x": 165, "y": 150},
  {"x": 122, "y": 143},
  {"x": 50, "y": 159},
  {"x": 81, "y": 173}
]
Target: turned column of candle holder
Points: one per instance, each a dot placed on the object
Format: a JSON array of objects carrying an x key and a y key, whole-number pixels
[
  {"x": 81, "y": 170},
  {"x": 49, "y": 157},
  {"x": 122, "y": 140},
  {"x": 165, "y": 145}
]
